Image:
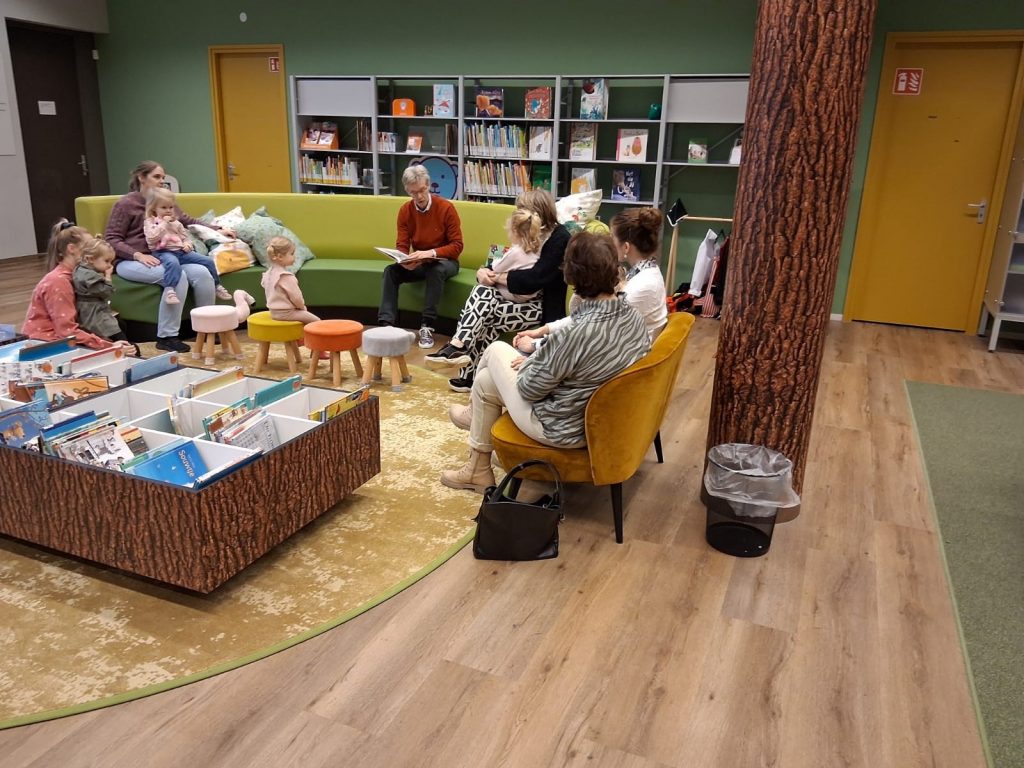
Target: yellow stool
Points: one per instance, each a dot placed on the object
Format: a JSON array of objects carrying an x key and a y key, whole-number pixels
[{"x": 266, "y": 330}]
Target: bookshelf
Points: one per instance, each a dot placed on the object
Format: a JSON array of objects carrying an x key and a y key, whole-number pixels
[{"x": 482, "y": 149}]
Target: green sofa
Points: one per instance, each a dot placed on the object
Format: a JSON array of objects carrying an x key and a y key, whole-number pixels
[{"x": 341, "y": 230}]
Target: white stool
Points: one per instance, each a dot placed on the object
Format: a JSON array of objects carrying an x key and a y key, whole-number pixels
[
  {"x": 392, "y": 343},
  {"x": 207, "y": 322}
]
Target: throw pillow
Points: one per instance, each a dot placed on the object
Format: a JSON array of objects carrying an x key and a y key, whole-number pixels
[
  {"x": 231, "y": 219},
  {"x": 197, "y": 243},
  {"x": 232, "y": 256},
  {"x": 258, "y": 230},
  {"x": 579, "y": 208}
]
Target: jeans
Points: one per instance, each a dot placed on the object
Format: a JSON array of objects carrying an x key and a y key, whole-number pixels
[
  {"x": 172, "y": 262},
  {"x": 168, "y": 321},
  {"x": 433, "y": 272}
]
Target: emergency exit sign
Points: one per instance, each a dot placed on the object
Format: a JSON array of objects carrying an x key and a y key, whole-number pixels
[{"x": 274, "y": 63}]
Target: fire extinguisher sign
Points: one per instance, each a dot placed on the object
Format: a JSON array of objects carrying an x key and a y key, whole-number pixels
[{"x": 907, "y": 82}]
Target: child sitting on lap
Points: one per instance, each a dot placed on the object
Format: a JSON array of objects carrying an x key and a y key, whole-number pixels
[{"x": 169, "y": 242}]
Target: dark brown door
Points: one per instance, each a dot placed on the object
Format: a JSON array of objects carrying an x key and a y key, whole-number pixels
[{"x": 47, "y": 83}]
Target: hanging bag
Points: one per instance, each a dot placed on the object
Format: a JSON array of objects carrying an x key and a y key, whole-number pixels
[{"x": 507, "y": 529}]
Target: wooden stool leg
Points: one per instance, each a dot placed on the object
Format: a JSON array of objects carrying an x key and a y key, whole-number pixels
[
  {"x": 356, "y": 364},
  {"x": 211, "y": 349},
  {"x": 293, "y": 350},
  {"x": 197, "y": 350},
  {"x": 289, "y": 357},
  {"x": 313, "y": 360},
  {"x": 378, "y": 363},
  {"x": 261, "y": 358},
  {"x": 406, "y": 378},
  {"x": 231, "y": 346},
  {"x": 371, "y": 363},
  {"x": 396, "y": 374},
  {"x": 336, "y": 368}
]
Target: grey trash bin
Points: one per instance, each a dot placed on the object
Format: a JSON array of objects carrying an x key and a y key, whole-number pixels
[{"x": 744, "y": 487}]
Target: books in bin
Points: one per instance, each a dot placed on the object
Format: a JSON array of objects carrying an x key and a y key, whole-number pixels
[
  {"x": 631, "y": 145},
  {"x": 104, "y": 447},
  {"x": 582, "y": 141},
  {"x": 537, "y": 104},
  {"x": 328, "y": 138},
  {"x": 594, "y": 99},
  {"x": 540, "y": 142},
  {"x": 21, "y": 427},
  {"x": 490, "y": 102},
  {"x": 254, "y": 430},
  {"x": 444, "y": 99},
  {"x": 697, "y": 151},
  {"x": 339, "y": 406},
  {"x": 626, "y": 184},
  {"x": 179, "y": 462},
  {"x": 61, "y": 391},
  {"x": 583, "y": 180}
]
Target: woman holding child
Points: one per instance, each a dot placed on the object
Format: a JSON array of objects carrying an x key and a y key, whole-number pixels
[{"x": 126, "y": 233}]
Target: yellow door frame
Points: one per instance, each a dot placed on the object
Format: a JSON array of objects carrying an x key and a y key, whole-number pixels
[
  {"x": 879, "y": 145},
  {"x": 270, "y": 49}
]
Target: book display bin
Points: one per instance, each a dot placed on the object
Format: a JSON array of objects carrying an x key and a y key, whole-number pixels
[{"x": 191, "y": 538}]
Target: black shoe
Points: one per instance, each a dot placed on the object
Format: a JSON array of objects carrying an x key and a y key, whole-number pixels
[
  {"x": 172, "y": 344},
  {"x": 460, "y": 385},
  {"x": 449, "y": 355}
]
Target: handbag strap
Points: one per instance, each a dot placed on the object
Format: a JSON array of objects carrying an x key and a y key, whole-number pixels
[{"x": 514, "y": 472}]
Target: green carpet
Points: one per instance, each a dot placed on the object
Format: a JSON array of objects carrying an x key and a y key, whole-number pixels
[{"x": 972, "y": 442}]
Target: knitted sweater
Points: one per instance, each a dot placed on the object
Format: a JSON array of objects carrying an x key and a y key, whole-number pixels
[
  {"x": 282, "y": 289},
  {"x": 439, "y": 228},
  {"x": 125, "y": 227}
]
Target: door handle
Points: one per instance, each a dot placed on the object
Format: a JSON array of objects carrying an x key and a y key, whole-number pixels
[
  {"x": 84, "y": 165},
  {"x": 231, "y": 171},
  {"x": 982, "y": 208}
]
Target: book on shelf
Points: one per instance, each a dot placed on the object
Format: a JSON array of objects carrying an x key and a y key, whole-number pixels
[
  {"x": 490, "y": 102},
  {"x": 181, "y": 464},
  {"x": 540, "y": 142},
  {"x": 582, "y": 141},
  {"x": 496, "y": 140},
  {"x": 736, "y": 153},
  {"x": 225, "y": 417},
  {"x": 255, "y": 430},
  {"x": 626, "y": 184},
  {"x": 414, "y": 143},
  {"x": 227, "y": 376},
  {"x": 487, "y": 178},
  {"x": 311, "y": 137},
  {"x": 631, "y": 145},
  {"x": 21, "y": 427},
  {"x": 594, "y": 99},
  {"x": 537, "y": 104},
  {"x": 444, "y": 99},
  {"x": 152, "y": 366},
  {"x": 133, "y": 438},
  {"x": 61, "y": 391},
  {"x": 45, "y": 349},
  {"x": 386, "y": 141},
  {"x": 275, "y": 392},
  {"x": 328, "y": 138},
  {"x": 541, "y": 178},
  {"x": 342, "y": 404},
  {"x": 697, "y": 151},
  {"x": 582, "y": 180},
  {"x": 88, "y": 361},
  {"x": 104, "y": 447}
]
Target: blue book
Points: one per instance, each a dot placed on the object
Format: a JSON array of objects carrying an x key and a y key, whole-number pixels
[
  {"x": 69, "y": 425},
  {"x": 276, "y": 391},
  {"x": 181, "y": 466},
  {"x": 154, "y": 366},
  {"x": 21, "y": 426},
  {"x": 46, "y": 349}
]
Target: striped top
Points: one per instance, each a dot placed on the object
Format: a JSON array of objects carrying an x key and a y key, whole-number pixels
[{"x": 606, "y": 337}]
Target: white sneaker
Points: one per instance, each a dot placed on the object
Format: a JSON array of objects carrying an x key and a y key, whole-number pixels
[
  {"x": 426, "y": 337},
  {"x": 222, "y": 293}
]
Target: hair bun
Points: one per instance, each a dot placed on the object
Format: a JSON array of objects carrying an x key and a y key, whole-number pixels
[{"x": 650, "y": 217}]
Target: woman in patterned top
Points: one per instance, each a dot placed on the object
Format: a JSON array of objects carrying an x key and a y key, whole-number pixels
[{"x": 546, "y": 394}]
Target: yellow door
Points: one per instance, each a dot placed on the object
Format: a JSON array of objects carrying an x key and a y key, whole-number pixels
[
  {"x": 251, "y": 119},
  {"x": 934, "y": 161}
]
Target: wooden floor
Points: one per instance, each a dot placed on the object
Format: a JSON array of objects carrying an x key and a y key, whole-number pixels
[{"x": 839, "y": 648}]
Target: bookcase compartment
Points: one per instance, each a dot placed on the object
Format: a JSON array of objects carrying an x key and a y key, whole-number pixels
[{"x": 302, "y": 403}]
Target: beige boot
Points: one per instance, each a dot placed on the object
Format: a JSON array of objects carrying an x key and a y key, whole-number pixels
[
  {"x": 460, "y": 416},
  {"x": 475, "y": 475}
]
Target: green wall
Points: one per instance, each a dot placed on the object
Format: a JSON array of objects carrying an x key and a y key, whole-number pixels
[{"x": 154, "y": 77}]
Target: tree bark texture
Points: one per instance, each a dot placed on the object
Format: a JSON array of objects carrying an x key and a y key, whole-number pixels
[{"x": 806, "y": 88}]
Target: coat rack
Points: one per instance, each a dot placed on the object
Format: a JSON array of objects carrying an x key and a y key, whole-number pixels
[{"x": 675, "y": 215}]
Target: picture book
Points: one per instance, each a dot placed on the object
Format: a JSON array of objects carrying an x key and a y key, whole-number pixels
[
  {"x": 276, "y": 391},
  {"x": 583, "y": 180},
  {"x": 339, "y": 406},
  {"x": 736, "y": 153},
  {"x": 697, "y": 151},
  {"x": 631, "y": 146},
  {"x": 152, "y": 366},
  {"x": 69, "y": 425},
  {"x": 61, "y": 391},
  {"x": 89, "y": 361},
  {"x": 444, "y": 100},
  {"x": 490, "y": 102},
  {"x": 153, "y": 453},
  {"x": 541, "y": 178},
  {"x": 311, "y": 136},
  {"x": 103, "y": 448},
  {"x": 134, "y": 439},
  {"x": 494, "y": 254},
  {"x": 182, "y": 465},
  {"x": 46, "y": 349},
  {"x": 594, "y": 99},
  {"x": 21, "y": 427},
  {"x": 582, "y": 141},
  {"x": 537, "y": 104},
  {"x": 540, "y": 142},
  {"x": 328, "y": 138},
  {"x": 255, "y": 430},
  {"x": 225, "y": 417},
  {"x": 391, "y": 253},
  {"x": 626, "y": 184},
  {"x": 387, "y": 141},
  {"x": 414, "y": 143},
  {"x": 222, "y": 379}
]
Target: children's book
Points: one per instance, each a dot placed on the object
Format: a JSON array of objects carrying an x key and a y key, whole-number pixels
[
  {"x": 631, "y": 145},
  {"x": 444, "y": 99},
  {"x": 697, "y": 151},
  {"x": 311, "y": 136},
  {"x": 182, "y": 465},
  {"x": 736, "y": 153},
  {"x": 255, "y": 430},
  {"x": 46, "y": 349},
  {"x": 537, "y": 104},
  {"x": 626, "y": 184},
  {"x": 102, "y": 448},
  {"x": 392, "y": 254},
  {"x": 225, "y": 417},
  {"x": 62, "y": 391},
  {"x": 594, "y": 99},
  {"x": 89, "y": 361},
  {"x": 494, "y": 254},
  {"x": 540, "y": 142},
  {"x": 490, "y": 102},
  {"x": 582, "y": 141},
  {"x": 21, "y": 427},
  {"x": 222, "y": 379},
  {"x": 339, "y": 406},
  {"x": 328, "y": 138},
  {"x": 134, "y": 439},
  {"x": 152, "y": 366},
  {"x": 583, "y": 180},
  {"x": 541, "y": 178},
  {"x": 414, "y": 143},
  {"x": 69, "y": 425},
  {"x": 276, "y": 391}
]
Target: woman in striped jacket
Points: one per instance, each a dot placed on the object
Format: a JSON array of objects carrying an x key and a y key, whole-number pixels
[{"x": 546, "y": 394}]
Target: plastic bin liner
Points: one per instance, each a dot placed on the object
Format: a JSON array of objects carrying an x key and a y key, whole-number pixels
[{"x": 756, "y": 480}]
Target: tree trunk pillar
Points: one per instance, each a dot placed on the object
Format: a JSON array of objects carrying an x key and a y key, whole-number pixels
[{"x": 806, "y": 88}]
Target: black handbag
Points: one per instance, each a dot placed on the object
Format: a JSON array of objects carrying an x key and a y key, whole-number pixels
[{"x": 507, "y": 529}]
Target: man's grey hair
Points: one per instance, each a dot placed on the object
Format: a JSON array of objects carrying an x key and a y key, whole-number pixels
[{"x": 415, "y": 175}]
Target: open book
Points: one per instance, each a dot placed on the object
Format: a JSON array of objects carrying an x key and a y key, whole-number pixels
[{"x": 391, "y": 253}]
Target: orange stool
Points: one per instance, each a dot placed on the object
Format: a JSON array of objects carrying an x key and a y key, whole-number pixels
[{"x": 334, "y": 336}]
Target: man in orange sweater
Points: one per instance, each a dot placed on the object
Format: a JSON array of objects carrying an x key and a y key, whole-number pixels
[{"x": 429, "y": 230}]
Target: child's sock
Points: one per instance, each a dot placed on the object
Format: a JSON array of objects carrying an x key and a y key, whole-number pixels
[{"x": 170, "y": 297}]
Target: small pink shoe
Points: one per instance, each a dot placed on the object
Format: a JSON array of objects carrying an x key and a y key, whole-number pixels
[
  {"x": 170, "y": 297},
  {"x": 222, "y": 293}
]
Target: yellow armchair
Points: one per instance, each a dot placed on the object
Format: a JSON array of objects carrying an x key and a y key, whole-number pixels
[{"x": 623, "y": 417}]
